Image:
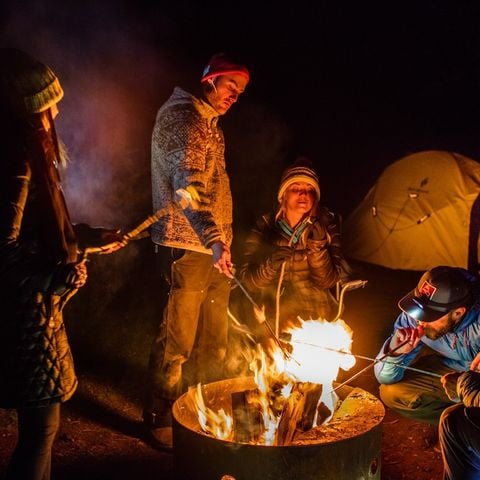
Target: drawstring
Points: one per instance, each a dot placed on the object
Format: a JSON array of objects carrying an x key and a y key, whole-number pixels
[{"x": 294, "y": 237}]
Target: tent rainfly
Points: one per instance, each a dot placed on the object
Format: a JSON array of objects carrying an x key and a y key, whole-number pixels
[{"x": 423, "y": 211}]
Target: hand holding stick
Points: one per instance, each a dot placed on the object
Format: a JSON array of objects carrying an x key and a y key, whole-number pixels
[
  {"x": 380, "y": 359},
  {"x": 127, "y": 237}
]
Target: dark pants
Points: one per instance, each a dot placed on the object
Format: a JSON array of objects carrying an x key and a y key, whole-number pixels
[
  {"x": 37, "y": 427},
  {"x": 460, "y": 442},
  {"x": 194, "y": 329}
]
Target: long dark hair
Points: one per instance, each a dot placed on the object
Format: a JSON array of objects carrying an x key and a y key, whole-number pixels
[{"x": 25, "y": 139}]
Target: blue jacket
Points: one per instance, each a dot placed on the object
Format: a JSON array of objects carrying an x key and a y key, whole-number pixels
[{"x": 458, "y": 348}]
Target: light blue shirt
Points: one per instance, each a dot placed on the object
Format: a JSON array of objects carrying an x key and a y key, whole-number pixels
[{"x": 458, "y": 348}]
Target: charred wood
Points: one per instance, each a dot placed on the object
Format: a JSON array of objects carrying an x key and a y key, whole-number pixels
[
  {"x": 247, "y": 419},
  {"x": 299, "y": 411}
]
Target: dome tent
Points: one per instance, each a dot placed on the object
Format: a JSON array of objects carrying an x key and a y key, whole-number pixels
[{"x": 423, "y": 211}]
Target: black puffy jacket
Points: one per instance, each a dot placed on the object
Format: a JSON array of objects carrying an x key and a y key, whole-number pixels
[{"x": 315, "y": 265}]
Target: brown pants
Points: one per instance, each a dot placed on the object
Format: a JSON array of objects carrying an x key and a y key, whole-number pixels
[
  {"x": 194, "y": 330},
  {"x": 419, "y": 396}
]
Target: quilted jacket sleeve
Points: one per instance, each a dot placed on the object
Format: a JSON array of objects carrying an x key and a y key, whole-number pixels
[
  {"x": 468, "y": 389},
  {"x": 333, "y": 226},
  {"x": 256, "y": 271},
  {"x": 322, "y": 268}
]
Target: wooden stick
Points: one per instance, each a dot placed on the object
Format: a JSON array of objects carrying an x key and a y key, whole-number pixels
[{"x": 110, "y": 247}]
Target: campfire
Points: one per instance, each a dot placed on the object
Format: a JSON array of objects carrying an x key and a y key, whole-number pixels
[
  {"x": 292, "y": 393},
  {"x": 256, "y": 427}
]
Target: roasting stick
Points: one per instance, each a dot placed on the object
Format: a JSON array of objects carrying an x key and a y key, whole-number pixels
[
  {"x": 363, "y": 357},
  {"x": 363, "y": 370},
  {"x": 131, "y": 235},
  {"x": 185, "y": 198},
  {"x": 286, "y": 354},
  {"x": 241, "y": 328}
]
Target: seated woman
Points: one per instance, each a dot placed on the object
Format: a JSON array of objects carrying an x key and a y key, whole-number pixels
[{"x": 293, "y": 258}]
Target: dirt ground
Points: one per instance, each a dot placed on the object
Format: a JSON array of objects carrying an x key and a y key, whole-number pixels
[{"x": 101, "y": 435}]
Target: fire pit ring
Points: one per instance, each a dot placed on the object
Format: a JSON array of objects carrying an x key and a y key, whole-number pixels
[{"x": 199, "y": 456}]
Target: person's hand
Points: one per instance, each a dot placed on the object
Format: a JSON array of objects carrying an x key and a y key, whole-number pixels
[
  {"x": 71, "y": 275},
  {"x": 80, "y": 275},
  {"x": 222, "y": 258},
  {"x": 449, "y": 382},
  {"x": 409, "y": 336},
  {"x": 111, "y": 240},
  {"x": 475, "y": 365},
  {"x": 279, "y": 256}
]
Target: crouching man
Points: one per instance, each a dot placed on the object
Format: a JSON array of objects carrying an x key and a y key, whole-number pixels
[{"x": 438, "y": 330}]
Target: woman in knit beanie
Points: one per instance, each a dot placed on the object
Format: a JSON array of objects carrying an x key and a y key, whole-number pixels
[
  {"x": 39, "y": 269},
  {"x": 293, "y": 258}
]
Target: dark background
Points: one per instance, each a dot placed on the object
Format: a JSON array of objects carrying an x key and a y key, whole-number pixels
[{"x": 352, "y": 85}]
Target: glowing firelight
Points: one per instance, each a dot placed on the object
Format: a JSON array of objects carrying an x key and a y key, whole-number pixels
[
  {"x": 315, "y": 356},
  {"x": 218, "y": 424},
  {"x": 318, "y": 350}
]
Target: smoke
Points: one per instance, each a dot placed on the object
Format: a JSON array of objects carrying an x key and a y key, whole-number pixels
[
  {"x": 117, "y": 64},
  {"x": 114, "y": 80}
]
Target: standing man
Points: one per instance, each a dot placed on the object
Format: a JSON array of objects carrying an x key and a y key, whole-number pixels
[
  {"x": 439, "y": 330},
  {"x": 192, "y": 240}
]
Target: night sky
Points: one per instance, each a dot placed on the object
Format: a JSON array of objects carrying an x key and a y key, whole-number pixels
[{"x": 352, "y": 85}]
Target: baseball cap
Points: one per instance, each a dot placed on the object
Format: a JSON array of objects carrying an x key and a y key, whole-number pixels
[{"x": 439, "y": 291}]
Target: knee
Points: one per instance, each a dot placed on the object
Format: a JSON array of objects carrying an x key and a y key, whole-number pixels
[
  {"x": 218, "y": 354},
  {"x": 393, "y": 395},
  {"x": 397, "y": 397},
  {"x": 449, "y": 420}
]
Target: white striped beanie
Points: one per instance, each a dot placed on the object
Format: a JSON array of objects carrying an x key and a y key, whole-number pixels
[{"x": 298, "y": 173}]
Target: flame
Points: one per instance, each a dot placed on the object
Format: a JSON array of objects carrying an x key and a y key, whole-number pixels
[
  {"x": 219, "y": 424},
  {"x": 259, "y": 313},
  {"x": 318, "y": 350},
  {"x": 316, "y": 356}
]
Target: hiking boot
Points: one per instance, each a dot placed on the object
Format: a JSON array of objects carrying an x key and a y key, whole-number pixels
[{"x": 158, "y": 430}]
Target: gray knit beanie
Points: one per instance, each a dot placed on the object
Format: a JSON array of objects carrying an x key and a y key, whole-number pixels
[{"x": 26, "y": 84}]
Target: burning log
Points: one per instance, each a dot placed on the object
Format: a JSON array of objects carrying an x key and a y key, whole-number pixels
[
  {"x": 247, "y": 418},
  {"x": 350, "y": 405},
  {"x": 299, "y": 412}
]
